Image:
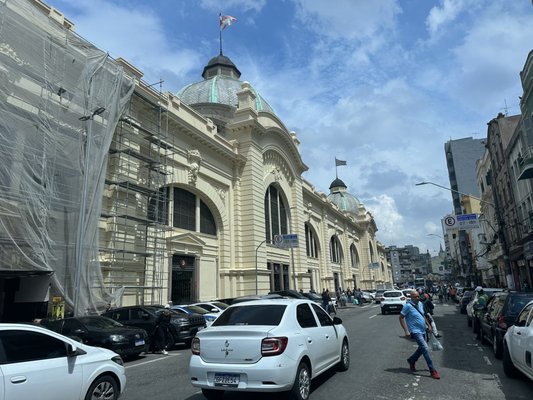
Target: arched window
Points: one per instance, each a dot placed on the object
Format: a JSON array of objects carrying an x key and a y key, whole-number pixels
[
  {"x": 335, "y": 250},
  {"x": 276, "y": 220},
  {"x": 310, "y": 242},
  {"x": 186, "y": 206},
  {"x": 354, "y": 255}
]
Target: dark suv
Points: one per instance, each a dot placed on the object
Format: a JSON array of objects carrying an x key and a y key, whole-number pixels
[
  {"x": 183, "y": 326},
  {"x": 501, "y": 312}
]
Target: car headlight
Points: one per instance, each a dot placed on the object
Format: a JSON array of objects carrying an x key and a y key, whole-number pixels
[
  {"x": 118, "y": 360},
  {"x": 117, "y": 338}
]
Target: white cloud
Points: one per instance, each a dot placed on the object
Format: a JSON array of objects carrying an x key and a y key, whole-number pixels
[
  {"x": 446, "y": 13},
  {"x": 389, "y": 220},
  {"x": 233, "y": 5},
  {"x": 348, "y": 19}
]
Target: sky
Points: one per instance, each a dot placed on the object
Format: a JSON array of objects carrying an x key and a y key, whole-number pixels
[{"x": 381, "y": 84}]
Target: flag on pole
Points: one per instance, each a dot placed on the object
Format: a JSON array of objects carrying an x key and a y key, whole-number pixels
[
  {"x": 339, "y": 162},
  {"x": 226, "y": 20}
]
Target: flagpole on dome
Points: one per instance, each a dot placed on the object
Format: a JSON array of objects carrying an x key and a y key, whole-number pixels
[
  {"x": 338, "y": 163},
  {"x": 220, "y": 31}
]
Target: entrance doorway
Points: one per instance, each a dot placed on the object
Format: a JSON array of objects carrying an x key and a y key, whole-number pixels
[
  {"x": 183, "y": 275},
  {"x": 279, "y": 276}
]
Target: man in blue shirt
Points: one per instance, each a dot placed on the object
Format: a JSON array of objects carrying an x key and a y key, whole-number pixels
[{"x": 414, "y": 324}]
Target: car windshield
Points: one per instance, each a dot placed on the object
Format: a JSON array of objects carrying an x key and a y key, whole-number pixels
[
  {"x": 263, "y": 314},
  {"x": 220, "y": 305},
  {"x": 194, "y": 309},
  {"x": 99, "y": 322}
]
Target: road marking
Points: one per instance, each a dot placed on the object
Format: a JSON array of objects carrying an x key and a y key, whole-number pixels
[
  {"x": 487, "y": 360},
  {"x": 151, "y": 361},
  {"x": 372, "y": 316}
]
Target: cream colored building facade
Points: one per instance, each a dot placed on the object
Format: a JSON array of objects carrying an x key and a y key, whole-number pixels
[{"x": 114, "y": 191}]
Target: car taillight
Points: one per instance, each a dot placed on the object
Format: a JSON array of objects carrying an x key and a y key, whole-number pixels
[
  {"x": 402, "y": 298},
  {"x": 501, "y": 322},
  {"x": 195, "y": 346},
  {"x": 273, "y": 346}
]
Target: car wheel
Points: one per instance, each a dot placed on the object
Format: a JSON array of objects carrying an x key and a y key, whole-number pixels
[
  {"x": 104, "y": 387},
  {"x": 496, "y": 347},
  {"x": 508, "y": 366},
  {"x": 302, "y": 383},
  {"x": 383, "y": 312},
  {"x": 212, "y": 394},
  {"x": 344, "y": 363}
]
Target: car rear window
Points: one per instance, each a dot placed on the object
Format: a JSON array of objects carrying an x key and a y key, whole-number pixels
[
  {"x": 392, "y": 294},
  {"x": 264, "y": 314},
  {"x": 516, "y": 303}
]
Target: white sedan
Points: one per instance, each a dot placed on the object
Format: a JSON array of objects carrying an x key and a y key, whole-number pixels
[
  {"x": 518, "y": 344},
  {"x": 393, "y": 300},
  {"x": 270, "y": 345},
  {"x": 36, "y": 363}
]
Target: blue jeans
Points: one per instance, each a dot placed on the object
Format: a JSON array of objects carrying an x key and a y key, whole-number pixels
[{"x": 422, "y": 350}]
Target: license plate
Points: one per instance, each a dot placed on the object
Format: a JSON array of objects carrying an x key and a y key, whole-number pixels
[
  {"x": 139, "y": 342},
  {"x": 226, "y": 379}
]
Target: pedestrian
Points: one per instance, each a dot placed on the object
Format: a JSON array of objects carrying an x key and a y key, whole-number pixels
[
  {"x": 326, "y": 298},
  {"x": 479, "y": 309},
  {"x": 161, "y": 335},
  {"x": 415, "y": 325},
  {"x": 440, "y": 293},
  {"x": 359, "y": 297},
  {"x": 428, "y": 310}
]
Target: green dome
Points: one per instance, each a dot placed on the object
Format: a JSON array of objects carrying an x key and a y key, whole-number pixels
[
  {"x": 341, "y": 198},
  {"x": 220, "y": 85}
]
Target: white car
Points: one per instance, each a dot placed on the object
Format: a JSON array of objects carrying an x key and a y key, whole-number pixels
[
  {"x": 518, "y": 344},
  {"x": 271, "y": 345},
  {"x": 38, "y": 363},
  {"x": 212, "y": 306},
  {"x": 393, "y": 300}
]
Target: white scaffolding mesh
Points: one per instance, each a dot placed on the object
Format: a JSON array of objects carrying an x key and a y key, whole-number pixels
[{"x": 51, "y": 84}]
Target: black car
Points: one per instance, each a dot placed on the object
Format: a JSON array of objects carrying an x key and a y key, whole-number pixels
[
  {"x": 468, "y": 295},
  {"x": 314, "y": 297},
  {"x": 182, "y": 326},
  {"x": 501, "y": 312},
  {"x": 290, "y": 293},
  {"x": 102, "y": 332}
]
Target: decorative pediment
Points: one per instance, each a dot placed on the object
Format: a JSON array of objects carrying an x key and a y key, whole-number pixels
[{"x": 188, "y": 239}]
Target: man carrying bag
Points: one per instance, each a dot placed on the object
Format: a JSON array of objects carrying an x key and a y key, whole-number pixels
[{"x": 415, "y": 325}]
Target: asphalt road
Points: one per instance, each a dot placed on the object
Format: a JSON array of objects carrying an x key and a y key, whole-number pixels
[{"x": 378, "y": 367}]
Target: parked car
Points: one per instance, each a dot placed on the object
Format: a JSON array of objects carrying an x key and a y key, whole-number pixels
[
  {"x": 465, "y": 299},
  {"x": 102, "y": 332},
  {"x": 313, "y": 297},
  {"x": 37, "y": 363},
  {"x": 209, "y": 316},
  {"x": 407, "y": 293},
  {"x": 368, "y": 296},
  {"x": 271, "y": 345},
  {"x": 378, "y": 296},
  {"x": 212, "y": 306},
  {"x": 502, "y": 310},
  {"x": 393, "y": 300},
  {"x": 473, "y": 302},
  {"x": 289, "y": 293},
  {"x": 518, "y": 344},
  {"x": 182, "y": 326}
]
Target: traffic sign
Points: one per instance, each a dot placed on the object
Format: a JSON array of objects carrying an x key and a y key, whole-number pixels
[
  {"x": 461, "y": 222},
  {"x": 286, "y": 241}
]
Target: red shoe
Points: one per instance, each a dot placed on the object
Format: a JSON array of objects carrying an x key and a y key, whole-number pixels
[
  {"x": 435, "y": 374},
  {"x": 411, "y": 366}
]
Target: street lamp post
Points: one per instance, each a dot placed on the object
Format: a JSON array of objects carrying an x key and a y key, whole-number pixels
[
  {"x": 83, "y": 204},
  {"x": 499, "y": 221},
  {"x": 256, "y": 268}
]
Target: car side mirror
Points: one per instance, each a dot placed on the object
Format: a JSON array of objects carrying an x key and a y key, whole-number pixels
[
  {"x": 73, "y": 351},
  {"x": 337, "y": 321}
]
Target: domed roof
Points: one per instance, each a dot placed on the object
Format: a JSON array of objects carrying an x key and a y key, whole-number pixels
[
  {"x": 341, "y": 198},
  {"x": 220, "y": 85}
]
